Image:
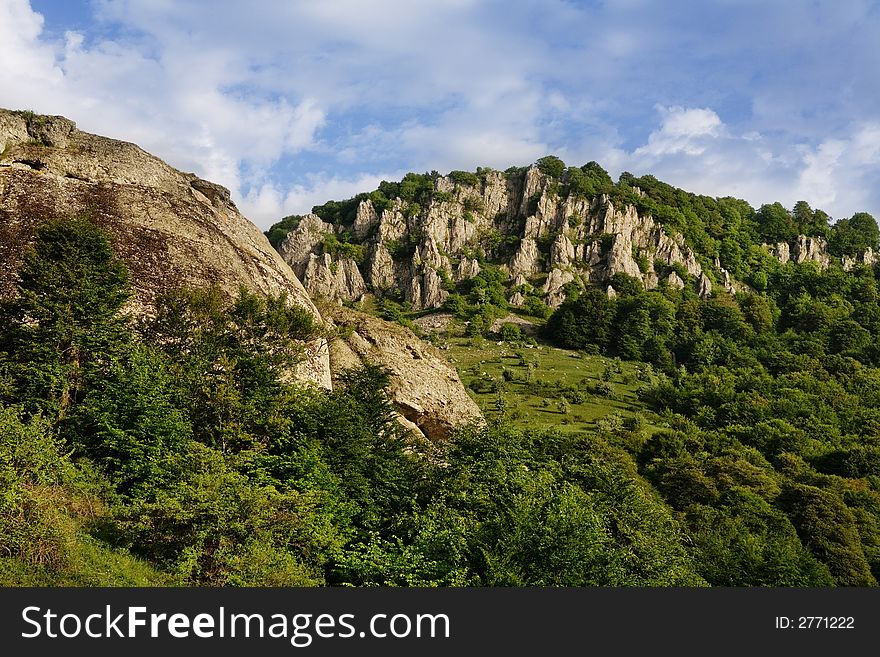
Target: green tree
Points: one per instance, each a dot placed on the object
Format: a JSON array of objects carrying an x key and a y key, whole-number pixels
[
  {"x": 776, "y": 223},
  {"x": 551, "y": 166},
  {"x": 852, "y": 236},
  {"x": 584, "y": 321},
  {"x": 63, "y": 330}
]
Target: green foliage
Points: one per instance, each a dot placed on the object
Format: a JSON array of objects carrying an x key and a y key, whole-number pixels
[
  {"x": 641, "y": 260},
  {"x": 343, "y": 213},
  {"x": 182, "y": 452},
  {"x": 588, "y": 181},
  {"x": 210, "y": 525},
  {"x": 34, "y": 528},
  {"x": 344, "y": 248},
  {"x": 536, "y": 308},
  {"x": 827, "y": 525},
  {"x": 850, "y": 237},
  {"x": 510, "y": 332},
  {"x": 279, "y": 230},
  {"x": 569, "y": 327},
  {"x": 776, "y": 223},
  {"x": 464, "y": 178},
  {"x": 552, "y": 166}
]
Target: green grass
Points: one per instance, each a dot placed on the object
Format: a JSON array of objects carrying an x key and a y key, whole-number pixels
[
  {"x": 556, "y": 373},
  {"x": 90, "y": 563}
]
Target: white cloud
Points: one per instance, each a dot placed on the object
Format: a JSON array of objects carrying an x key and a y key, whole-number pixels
[
  {"x": 180, "y": 103},
  {"x": 694, "y": 149},
  {"x": 349, "y": 89},
  {"x": 841, "y": 174},
  {"x": 268, "y": 203},
  {"x": 683, "y": 130}
]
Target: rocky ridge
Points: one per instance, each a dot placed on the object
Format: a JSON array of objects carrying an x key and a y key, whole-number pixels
[{"x": 541, "y": 240}]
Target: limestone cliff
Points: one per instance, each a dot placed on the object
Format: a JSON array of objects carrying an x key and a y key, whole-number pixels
[
  {"x": 425, "y": 388},
  {"x": 516, "y": 219},
  {"x": 173, "y": 229}
]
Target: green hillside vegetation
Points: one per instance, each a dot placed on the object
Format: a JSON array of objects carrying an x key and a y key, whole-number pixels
[
  {"x": 758, "y": 425},
  {"x": 731, "y": 441},
  {"x": 176, "y": 451},
  {"x": 536, "y": 386}
]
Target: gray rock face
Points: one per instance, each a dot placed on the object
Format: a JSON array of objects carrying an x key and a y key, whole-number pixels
[
  {"x": 527, "y": 258},
  {"x": 554, "y": 287},
  {"x": 171, "y": 228},
  {"x": 780, "y": 251},
  {"x": 811, "y": 248},
  {"x": 323, "y": 275},
  {"x": 704, "y": 286},
  {"x": 433, "y": 296},
  {"x": 425, "y": 389},
  {"x": 815, "y": 249},
  {"x": 339, "y": 280},
  {"x": 518, "y": 221},
  {"x": 366, "y": 220},
  {"x": 561, "y": 251},
  {"x": 869, "y": 258},
  {"x": 675, "y": 281},
  {"x": 467, "y": 268},
  {"x": 303, "y": 241}
]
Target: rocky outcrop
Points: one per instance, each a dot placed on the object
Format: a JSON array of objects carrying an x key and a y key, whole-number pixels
[
  {"x": 527, "y": 260},
  {"x": 467, "y": 268},
  {"x": 303, "y": 241},
  {"x": 869, "y": 257},
  {"x": 338, "y": 280},
  {"x": 814, "y": 249},
  {"x": 781, "y": 251},
  {"x": 704, "y": 286},
  {"x": 425, "y": 389},
  {"x": 554, "y": 286},
  {"x": 326, "y": 275},
  {"x": 675, "y": 281},
  {"x": 520, "y": 221},
  {"x": 366, "y": 220},
  {"x": 561, "y": 251},
  {"x": 171, "y": 228}
]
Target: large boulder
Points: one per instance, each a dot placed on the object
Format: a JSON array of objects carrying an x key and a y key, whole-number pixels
[
  {"x": 171, "y": 228},
  {"x": 425, "y": 388}
]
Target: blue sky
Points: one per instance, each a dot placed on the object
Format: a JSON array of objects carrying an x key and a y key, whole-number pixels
[{"x": 292, "y": 103}]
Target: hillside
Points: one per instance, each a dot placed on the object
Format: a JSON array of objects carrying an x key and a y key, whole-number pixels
[
  {"x": 725, "y": 356},
  {"x": 173, "y": 229},
  {"x": 663, "y": 389}
]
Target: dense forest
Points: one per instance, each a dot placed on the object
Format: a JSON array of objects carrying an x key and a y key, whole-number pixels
[{"x": 177, "y": 450}]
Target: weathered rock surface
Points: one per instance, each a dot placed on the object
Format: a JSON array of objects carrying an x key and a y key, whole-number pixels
[
  {"x": 811, "y": 248},
  {"x": 171, "y": 228},
  {"x": 517, "y": 220},
  {"x": 425, "y": 388},
  {"x": 815, "y": 249},
  {"x": 554, "y": 286},
  {"x": 869, "y": 257}
]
